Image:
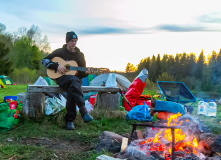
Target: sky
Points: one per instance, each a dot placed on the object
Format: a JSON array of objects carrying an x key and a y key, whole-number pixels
[{"x": 113, "y": 33}]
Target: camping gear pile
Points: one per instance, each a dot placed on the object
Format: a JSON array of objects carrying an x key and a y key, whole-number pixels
[
  {"x": 142, "y": 108},
  {"x": 135, "y": 90},
  {"x": 9, "y": 114},
  {"x": 55, "y": 102}
]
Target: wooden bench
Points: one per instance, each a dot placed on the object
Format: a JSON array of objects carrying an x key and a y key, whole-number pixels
[{"x": 34, "y": 99}]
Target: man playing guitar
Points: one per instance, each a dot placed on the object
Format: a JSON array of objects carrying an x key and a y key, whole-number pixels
[{"x": 71, "y": 83}]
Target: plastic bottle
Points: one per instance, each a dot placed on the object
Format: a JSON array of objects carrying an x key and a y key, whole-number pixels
[
  {"x": 200, "y": 107},
  {"x": 211, "y": 109},
  {"x": 205, "y": 105}
]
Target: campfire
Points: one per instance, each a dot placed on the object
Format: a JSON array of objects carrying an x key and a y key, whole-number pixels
[
  {"x": 182, "y": 137},
  {"x": 162, "y": 140},
  {"x": 178, "y": 137}
]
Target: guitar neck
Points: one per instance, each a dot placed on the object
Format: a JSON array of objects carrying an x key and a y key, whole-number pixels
[{"x": 82, "y": 68}]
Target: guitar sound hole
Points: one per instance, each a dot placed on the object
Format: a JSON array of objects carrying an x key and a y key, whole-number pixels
[{"x": 67, "y": 67}]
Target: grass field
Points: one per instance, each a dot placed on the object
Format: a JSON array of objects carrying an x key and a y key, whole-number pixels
[
  {"x": 47, "y": 138},
  {"x": 11, "y": 90}
]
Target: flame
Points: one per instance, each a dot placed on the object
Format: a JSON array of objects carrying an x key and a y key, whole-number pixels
[
  {"x": 156, "y": 139},
  {"x": 180, "y": 139}
]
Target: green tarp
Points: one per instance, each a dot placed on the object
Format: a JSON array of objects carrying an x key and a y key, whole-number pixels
[
  {"x": 50, "y": 81},
  {"x": 9, "y": 117}
]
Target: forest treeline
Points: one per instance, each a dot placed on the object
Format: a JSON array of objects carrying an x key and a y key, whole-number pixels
[
  {"x": 21, "y": 53},
  {"x": 198, "y": 73}
]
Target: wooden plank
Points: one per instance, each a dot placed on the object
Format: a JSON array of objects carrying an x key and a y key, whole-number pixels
[
  {"x": 108, "y": 101},
  {"x": 57, "y": 89},
  {"x": 124, "y": 144}
]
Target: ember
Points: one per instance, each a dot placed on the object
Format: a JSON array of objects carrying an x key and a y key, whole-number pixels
[{"x": 161, "y": 143}]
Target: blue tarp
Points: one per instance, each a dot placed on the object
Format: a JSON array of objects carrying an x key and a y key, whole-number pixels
[
  {"x": 168, "y": 106},
  {"x": 140, "y": 113},
  {"x": 86, "y": 81}
]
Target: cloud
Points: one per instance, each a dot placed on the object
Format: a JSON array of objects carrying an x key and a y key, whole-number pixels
[
  {"x": 188, "y": 28},
  {"x": 211, "y": 18},
  {"x": 103, "y": 30},
  {"x": 180, "y": 28}
]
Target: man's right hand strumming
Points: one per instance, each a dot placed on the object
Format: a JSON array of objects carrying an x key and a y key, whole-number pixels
[{"x": 62, "y": 69}]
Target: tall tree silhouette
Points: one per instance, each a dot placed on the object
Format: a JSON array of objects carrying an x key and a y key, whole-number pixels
[
  {"x": 218, "y": 68},
  {"x": 158, "y": 66},
  {"x": 199, "y": 66},
  {"x": 153, "y": 69},
  {"x": 5, "y": 64}
]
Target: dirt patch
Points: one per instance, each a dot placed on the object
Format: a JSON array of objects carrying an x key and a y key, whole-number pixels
[{"x": 62, "y": 148}]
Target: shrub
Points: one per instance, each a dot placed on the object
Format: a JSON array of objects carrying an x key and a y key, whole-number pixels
[
  {"x": 150, "y": 85},
  {"x": 24, "y": 76},
  {"x": 165, "y": 77}
]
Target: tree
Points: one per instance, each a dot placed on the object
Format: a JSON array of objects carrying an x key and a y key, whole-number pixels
[
  {"x": 130, "y": 68},
  {"x": 2, "y": 28},
  {"x": 218, "y": 68},
  {"x": 183, "y": 65},
  {"x": 170, "y": 65},
  {"x": 144, "y": 63},
  {"x": 199, "y": 66},
  {"x": 191, "y": 64},
  {"x": 164, "y": 63},
  {"x": 141, "y": 65},
  {"x": 212, "y": 67},
  {"x": 5, "y": 64},
  {"x": 34, "y": 34},
  {"x": 176, "y": 67},
  {"x": 165, "y": 77},
  {"x": 158, "y": 66},
  {"x": 24, "y": 54},
  {"x": 153, "y": 69}
]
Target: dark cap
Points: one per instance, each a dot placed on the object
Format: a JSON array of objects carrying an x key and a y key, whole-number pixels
[{"x": 71, "y": 35}]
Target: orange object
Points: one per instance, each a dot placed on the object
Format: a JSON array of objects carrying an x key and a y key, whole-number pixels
[
  {"x": 141, "y": 102},
  {"x": 164, "y": 115},
  {"x": 145, "y": 97}
]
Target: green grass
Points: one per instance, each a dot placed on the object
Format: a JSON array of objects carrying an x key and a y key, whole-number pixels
[
  {"x": 11, "y": 90},
  {"x": 53, "y": 128},
  {"x": 85, "y": 136}
]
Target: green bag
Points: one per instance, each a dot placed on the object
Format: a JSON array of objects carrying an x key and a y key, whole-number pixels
[{"x": 9, "y": 118}]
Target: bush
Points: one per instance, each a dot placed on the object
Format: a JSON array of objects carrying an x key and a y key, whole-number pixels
[
  {"x": 24, "y": 76},
  {"x": 150, "y": 85},
  {"x": 165, "y": 77}
]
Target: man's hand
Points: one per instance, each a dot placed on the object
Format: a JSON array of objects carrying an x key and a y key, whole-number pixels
[
  {"x": 90, "y": 71},
  {"x": 61, "y": 69}
]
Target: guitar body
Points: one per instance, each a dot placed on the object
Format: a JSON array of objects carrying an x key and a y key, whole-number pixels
[{"x": 53, "y": 74}]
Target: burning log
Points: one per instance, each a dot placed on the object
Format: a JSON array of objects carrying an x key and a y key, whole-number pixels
[
  {"x": 109, "y": 141},
  {"x": 216, "y": 146},
  {"x": 206, "y": 145}
]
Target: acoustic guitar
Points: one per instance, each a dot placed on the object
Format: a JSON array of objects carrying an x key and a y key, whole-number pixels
[{"x": 72, "y": 68}]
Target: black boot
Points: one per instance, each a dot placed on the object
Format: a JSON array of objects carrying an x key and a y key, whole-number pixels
[{"x": 70, "y": 126}]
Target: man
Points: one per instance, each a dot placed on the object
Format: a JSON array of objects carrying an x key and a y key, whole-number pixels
[{"x": 71, "y": 83}]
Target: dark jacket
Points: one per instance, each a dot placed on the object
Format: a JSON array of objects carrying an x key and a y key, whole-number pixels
[{"x": 65, "y": 54}]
